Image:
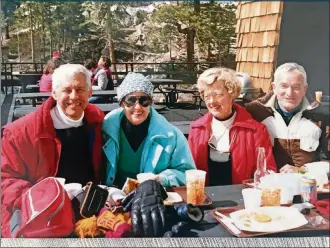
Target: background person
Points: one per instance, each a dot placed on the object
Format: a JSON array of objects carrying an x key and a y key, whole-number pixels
[
  {"x": 46, "y": 78},
  {"x": 91, "y": 65},
  {"x": 102, "y": 79}
]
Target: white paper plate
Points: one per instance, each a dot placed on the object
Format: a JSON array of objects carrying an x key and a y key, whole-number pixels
[{"x": 283, "y": 218}]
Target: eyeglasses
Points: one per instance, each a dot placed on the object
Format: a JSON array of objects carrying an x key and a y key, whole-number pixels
[
  {"x": 214, "y": 95},
  {"x": 144, "y": 101}
]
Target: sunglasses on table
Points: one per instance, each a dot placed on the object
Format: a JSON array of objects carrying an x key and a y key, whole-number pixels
[{"x": 144, "y": 101}]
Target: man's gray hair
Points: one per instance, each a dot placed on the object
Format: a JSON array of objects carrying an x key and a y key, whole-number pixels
[
  {"x": 289, "y": 67},
  {"x": 65, "y": 72}
]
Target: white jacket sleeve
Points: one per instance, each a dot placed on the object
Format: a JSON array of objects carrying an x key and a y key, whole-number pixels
[{"x": 102, "y": 81}]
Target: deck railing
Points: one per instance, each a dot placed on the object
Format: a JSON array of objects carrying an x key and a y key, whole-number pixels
[{"x": 177, "y": 70}]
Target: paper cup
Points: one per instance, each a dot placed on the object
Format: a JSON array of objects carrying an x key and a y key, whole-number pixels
[
  {"x": 251, "y": 198},
  {"x": 195, "y": 184},
  {"x": 287, "y": 195}
]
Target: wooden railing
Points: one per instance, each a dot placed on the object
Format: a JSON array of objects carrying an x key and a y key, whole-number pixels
[
  {"x": 170, "y": 68},
  {"x": 176, "y": 70}
]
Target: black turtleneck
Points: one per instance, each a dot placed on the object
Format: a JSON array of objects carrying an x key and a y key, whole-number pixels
[
  {"x": 135, "y": 134},
  {"x": 227, "y": 118}
]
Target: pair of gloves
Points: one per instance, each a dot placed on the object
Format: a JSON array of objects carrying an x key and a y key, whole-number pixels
[{"x": 149, "y": 216}]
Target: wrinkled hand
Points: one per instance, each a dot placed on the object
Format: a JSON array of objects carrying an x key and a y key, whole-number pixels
[
  {"x": 289, "y": 169},
  {"x": 148, "y": 212}
]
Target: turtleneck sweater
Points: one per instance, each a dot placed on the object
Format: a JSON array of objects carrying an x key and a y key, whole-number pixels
[
  {"x": 135, "y": 134},
  {"x": 75, "y": 164},
  {"x": 61, "y": 121}
]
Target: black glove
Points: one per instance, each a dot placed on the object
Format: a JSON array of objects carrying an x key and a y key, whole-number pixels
[
  {"x": 187, "y": 215},
  {"x": 148, "y": 211},
  {"x": 178, "y": 230},
  {"x": 186, "y": 212}
]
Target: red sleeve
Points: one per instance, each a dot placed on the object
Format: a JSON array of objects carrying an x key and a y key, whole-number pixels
[
  {"x": 191, "y": 142},
  {"x": 13, "y": 185},
  {"x": 263, "y": 140}
]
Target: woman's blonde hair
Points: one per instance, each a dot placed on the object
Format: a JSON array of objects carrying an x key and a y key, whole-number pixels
[{"x": 225, "y": 75}]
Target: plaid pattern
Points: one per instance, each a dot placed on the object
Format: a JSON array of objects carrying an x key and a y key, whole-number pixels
[{"x": 134, "y": 82}]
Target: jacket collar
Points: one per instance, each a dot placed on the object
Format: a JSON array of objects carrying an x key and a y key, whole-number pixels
[
  {"x": 44, "y": 123},
  {"x": 158, "y": 127},
  {"x": 240, "y": 120},
  {"x": 271, "y": 103}
]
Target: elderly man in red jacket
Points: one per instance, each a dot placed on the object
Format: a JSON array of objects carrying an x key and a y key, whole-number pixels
[{"x": 62, "y": 138}]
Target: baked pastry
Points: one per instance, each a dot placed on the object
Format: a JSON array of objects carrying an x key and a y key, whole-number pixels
[{"x": 262, "y": 217}]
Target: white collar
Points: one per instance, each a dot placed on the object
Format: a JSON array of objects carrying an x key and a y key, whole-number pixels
[
  {"x": 61, "y": 121},
  {"x": 220, "y": 127}
]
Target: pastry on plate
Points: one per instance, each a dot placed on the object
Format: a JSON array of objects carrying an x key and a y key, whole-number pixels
[{"x": 262, "y": 217}]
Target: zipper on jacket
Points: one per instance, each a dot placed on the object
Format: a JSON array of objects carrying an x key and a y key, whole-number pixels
[
  {"x": 59, "y": 207},
  {"x": 145, "y": 149},
  {"x": 58, "y": 143},
  {"x": 34, "y": 212}
]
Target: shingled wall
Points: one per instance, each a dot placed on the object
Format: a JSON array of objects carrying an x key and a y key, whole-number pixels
[{"x": 258, "y": 30}]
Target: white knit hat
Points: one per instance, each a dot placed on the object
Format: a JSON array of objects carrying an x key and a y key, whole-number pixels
[{"x": 134, "y": 82}]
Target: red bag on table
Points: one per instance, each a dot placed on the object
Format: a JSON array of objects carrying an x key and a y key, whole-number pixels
[{"x": 46, "y": 211}]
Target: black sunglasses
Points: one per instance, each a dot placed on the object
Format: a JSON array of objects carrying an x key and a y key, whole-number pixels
[{"x": 144, "y": 101}]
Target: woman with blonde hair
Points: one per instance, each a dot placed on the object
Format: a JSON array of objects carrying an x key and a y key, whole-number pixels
[{"x": 224, "y": 141}]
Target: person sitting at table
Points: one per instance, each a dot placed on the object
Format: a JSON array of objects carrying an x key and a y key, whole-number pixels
[
  {"x": 90, "y": 64},
  {"x": 46, "y": 78},
  {"x": 297, "y": 128},
  {"x": 223, "y": 142},
  {"x": 102, "y": 79},
  {"x": 138, "y": 139},
  {"x": 62, "y": 138}
]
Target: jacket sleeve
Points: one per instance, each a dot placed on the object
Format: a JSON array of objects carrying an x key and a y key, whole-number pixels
[
  {"x": 102, "y": 81},
  {"x": 181, "y": 161},
  {"x": 263, "y": 140},
  {"x": 13, "y": 183}
]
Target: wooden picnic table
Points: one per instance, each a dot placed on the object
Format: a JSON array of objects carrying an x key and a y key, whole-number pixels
[
  {"x": 171, "y": 91},
  {"x": 28, "y": 79},
  {"x": 209, "y": 232}
]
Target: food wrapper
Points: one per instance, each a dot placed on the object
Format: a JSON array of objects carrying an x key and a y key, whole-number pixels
[
  {"x": 316, "y": 221},
  {"x": 115, "y": 196},
  {"x": 130, "y": 185}
]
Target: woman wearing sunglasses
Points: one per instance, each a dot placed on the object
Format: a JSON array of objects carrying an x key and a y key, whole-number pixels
[
  {"x": 139, "y": 140},
  {"x": 224, "y": 141}
]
